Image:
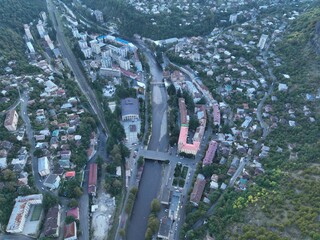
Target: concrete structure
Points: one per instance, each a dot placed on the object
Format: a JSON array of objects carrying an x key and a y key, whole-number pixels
[
  {"x": 124, "y": 63},
  {"x": 52, "y": 181},
  {"x": 130, "y": 109},
  {"x": 21, "y": 211},
  {"x": 92, "y": 183},
  {"x": 210, "y": 153},
  {"x": 164, "y": 229},
  {"x": 70, "y": 231},
  {"x": 183, "y": 112},
  {"x": 52, "y": 222},
  {"x": 95, "y": 47},
  {"x": 198, "y": 189},
  {"x": 11, "y": 121},
  {"x": 27, "y": 31},
  {"x": 3, "y": 162},
  {"x": 106, "y": 62},
  {"x": 43, "y": 166}
]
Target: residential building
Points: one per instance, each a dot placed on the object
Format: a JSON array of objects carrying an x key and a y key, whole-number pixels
[
  {"x": 95, "y": 47},
  {"x": 124, "y": 63},
  {"x": 110, "y": 72},
  {"x": 11, "y": 121},
  {"x": 130, "y": 109},
  {"x": 183, "y": 112},
  {"x": 87, "y": 52},
  {"x": 164, "y": 228},
  {"x": 210, "y": 153},
  {"x": 21, "y": 211},
  {"x": 43, "y": 166},
  {"x": 92, "y": 183},
  {"x": 198, "y": 189},
  {"x": 216, "y": 115},
  {"x": 52, "y": 222},
  {"x": 27, "y": 31},
  {"x": 75, "y": 32},
  {"x": 70, "y": 231},
  {"x": 52, "y": 181},
  {"x": 3, "y": 162},
  {"x": 30, "y": 47},
  {"x": 106, "y": 62},
  {"x": 41, "y": 29}
]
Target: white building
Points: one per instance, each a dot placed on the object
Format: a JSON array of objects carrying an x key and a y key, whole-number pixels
[
  {"x": 87, "y": 52},
  {"x": 50, "y": 86},
  {"x": 41, "y": 29},
  {"x": 52, "y": 181},
  {"x": 27, "y": 31},
  {"x": 124, "y": 63},
  {"x": 262, "y": 41},
  {"x": 83, "y": 44},
  {"x": 95, "y": 46},
  {"x": 20, "y": 212},
  {"x": 75, "y": 32},
  {"x": 3, "y": 162},
  {"x": 106, "y": 62},
  {"x": 43, "y": 166},
  {"x": 30, "y": 47}
]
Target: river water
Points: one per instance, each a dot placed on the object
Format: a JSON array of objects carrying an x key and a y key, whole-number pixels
[{"x": 152, "y": 173}]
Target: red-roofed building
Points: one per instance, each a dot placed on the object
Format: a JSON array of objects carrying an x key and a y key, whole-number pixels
[
  {"x": 183, "y": 112},
  {"x": 216, "y": 115},
  {"x": 210, "y": 153},
  {"x": 74, "y": 212},
  {"x": 198, "y": 189},
  {"x": 70, "y": 174},
  {"x": 70, "y": 231},
  {"x": 92, "y": 183}
]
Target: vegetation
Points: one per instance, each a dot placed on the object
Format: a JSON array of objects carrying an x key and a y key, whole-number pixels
[
  {"x": 13, "y": 14},
  {"x": 153, "y": 221}
]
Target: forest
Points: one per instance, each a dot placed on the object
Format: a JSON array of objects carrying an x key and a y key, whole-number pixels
[{"x": 13, "y": 14}]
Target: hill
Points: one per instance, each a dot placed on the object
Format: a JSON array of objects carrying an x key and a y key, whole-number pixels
[{"x": 13, "y": 14}]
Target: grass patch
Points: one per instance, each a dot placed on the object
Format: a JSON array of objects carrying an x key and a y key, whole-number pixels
[{"x": 37, "y": 209}]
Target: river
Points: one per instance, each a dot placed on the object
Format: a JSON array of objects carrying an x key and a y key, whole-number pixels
[{"x": 152, "y": 174}]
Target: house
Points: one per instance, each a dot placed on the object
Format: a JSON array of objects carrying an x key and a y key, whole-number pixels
[
  {"x": 11, "y": 121},
  {"x": 43, "y": 166},
  {"x": 198, "y": 189},
  {"x": 65, "y": 163},
  {"x": 70, "y": 174},
  {"x": 74, "y": 212},
  {"x": 52, "y": 181},
  {"x": 52, "y": 222},
  {"x": 130, "y": 109},
  {"x": 70, "y": 231}
]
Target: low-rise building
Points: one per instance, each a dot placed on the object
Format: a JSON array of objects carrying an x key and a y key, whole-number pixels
[
  {"x": 198, "y": 189},
  {"x": 11, "y": 121},
  {"x": 130, "y": 109},
  {"x": 43, "y": 166},
  {"x": 70, "y": 231},
  {"x": 52, "y": 222},
  {"x": 210, "y": 153},
  {"x": 52, "y": 181}
]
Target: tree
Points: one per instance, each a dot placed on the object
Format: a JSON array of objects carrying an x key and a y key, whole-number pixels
[
  {"x": 155, "y": 206},
  {"x": 49, "y": 201},
  {"x": 8, "y": 175},
  {"x": 73, "y": 203},
  {"x": 69, "y": 219},
  {"x": 148, "y": 234}
]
